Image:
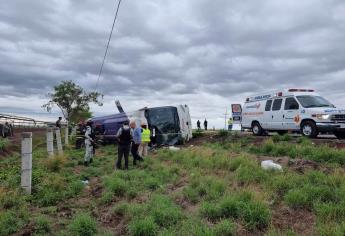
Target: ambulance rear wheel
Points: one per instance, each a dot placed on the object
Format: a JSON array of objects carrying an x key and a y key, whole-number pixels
[
  {"x": 309, "y": 129},
  {"x": 257, "y": 129}
]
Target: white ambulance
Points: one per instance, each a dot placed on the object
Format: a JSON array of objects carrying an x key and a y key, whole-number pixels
[{"x": 293, "y": 110}]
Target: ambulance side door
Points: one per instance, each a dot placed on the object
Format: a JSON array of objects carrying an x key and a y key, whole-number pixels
[
  {"x": 291, "y": 113},
  {"x": 266, "y": 124},
  {"x": 277, "y": 114}
]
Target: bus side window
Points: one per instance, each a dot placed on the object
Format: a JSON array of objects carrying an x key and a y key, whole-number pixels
[
  {"x": 291, "y": 104},
  {"x": 268, "y": 105},
  {"x": 277, "y": 104}
]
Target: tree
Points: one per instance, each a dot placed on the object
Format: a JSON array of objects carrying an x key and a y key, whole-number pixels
[
  {"x": 80, "y": 115},
  {"x": 72, "y": 100}
]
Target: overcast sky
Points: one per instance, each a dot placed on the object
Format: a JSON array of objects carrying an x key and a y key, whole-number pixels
[{"x": 207, "y": 54}]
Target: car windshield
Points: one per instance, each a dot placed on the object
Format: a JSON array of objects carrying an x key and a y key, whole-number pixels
[{"x": 308, "y": 101}]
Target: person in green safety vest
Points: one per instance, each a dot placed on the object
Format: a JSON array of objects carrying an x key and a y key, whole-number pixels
[
  {"x": 230, "y": 123},
  {"x": 145, "y": 140}
]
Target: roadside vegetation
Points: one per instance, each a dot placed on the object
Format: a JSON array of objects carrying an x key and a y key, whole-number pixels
[
  {"x": 4, "y": 143},
  {"x": 215, "y": 188}
]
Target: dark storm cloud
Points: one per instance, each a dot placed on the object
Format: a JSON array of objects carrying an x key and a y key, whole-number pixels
[{"x": 173, "y": 51}]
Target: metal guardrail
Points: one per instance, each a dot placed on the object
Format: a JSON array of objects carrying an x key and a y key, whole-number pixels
[{"x": 23, "y": 122}]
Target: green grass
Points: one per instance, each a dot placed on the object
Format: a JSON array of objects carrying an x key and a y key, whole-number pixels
[
  {"x": 4, "y": 142},
  {"x": 254, "y": 214},
  {"x": 83, "y": 225},
  {"x": 214, "y": 189}
]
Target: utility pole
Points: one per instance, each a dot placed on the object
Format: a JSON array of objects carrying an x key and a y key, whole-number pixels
[{"x": 225, "y": 118}]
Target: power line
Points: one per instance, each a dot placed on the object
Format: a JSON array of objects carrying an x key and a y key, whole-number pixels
[{"x": 106, "y": 50}]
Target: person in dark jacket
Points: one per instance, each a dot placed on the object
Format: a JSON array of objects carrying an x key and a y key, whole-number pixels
[
  {"x": 198, "y": 124},
  {"x": 205, "y": 124},
  {"x": 58, "y": 123},
  {"x": 124, "y": 137}
]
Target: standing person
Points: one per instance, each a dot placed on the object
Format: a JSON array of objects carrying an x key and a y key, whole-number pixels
[
  {"x": 205, "y": 124},
  {"x": 145, "y": 140},
  {"x": 198, "y": 124},
  {"x": 88, "y": 143},
  {"x": 124, "y": 137},
  {"x": 58, "y": 123},
  {"x": 230, "y": 123},
  {"x": 136, "y": 142}
]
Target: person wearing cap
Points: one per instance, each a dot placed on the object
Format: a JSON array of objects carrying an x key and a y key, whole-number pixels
[
  {"x": 136, "y": 143},
  {"x": 89, "y": 140},
  {"x": 124, "y": 138},
  {"x": 145, "y": 140}
]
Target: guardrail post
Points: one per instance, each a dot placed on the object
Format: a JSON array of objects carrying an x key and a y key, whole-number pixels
[
  {"x": 66, "y": 136},
  {"x": 26, "y": 174},
  {"x": 58, "y": 140},
  {"x": 50, "y": 142}
]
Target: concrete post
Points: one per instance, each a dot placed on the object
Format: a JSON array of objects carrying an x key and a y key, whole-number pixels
[
  {"x": 50, "y": 142},
  {"x": 74, "y": 131},
  {"x": 58, "y": 140},
  {"x": 66, "y": 136},
  {"x": 26, "y": 174}
]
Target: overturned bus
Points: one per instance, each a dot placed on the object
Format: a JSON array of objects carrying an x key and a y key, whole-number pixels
[{"x": 169, "y": 125}]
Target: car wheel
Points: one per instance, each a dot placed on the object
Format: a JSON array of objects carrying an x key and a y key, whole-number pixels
[
  {"x": 257, "y": 129},
  {"x": 309, "y": 129},
  {"x": 339, "y": 135}
]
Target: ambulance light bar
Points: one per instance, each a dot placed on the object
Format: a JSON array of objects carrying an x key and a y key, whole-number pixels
[{"x": 301, "y": 90}]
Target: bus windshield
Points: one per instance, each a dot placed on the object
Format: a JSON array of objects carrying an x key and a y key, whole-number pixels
[
  {"x": 165, "y": 119},
  {"x": 308, "y": 101}
]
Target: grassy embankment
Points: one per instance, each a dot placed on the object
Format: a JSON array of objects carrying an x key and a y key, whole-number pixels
[{"x": 213, "y": 189}]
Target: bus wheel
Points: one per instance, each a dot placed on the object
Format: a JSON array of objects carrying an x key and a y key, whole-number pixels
[
  {"x": 257, "y": 129},
  {"x": 340, "y": 135},
  {"x": 309, "y": 129}
]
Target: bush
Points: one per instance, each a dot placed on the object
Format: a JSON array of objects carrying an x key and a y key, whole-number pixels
[
  {"x": 255, "y": 214},
  {"x": 51, "y": 190},
  {"x": 83, "y": 225},
  {"x": 116, "y": 186},
  {"x": 164, "y": 212},
  {"x": 55, "y": 163},
  {"x": 11, "y": 222},
  {"x": 296, "y": 198},
  {"x": 75, "y": 188},
  {"x": 251, "y": 173},
  {"x": 207, "y": 188},
  {"x": 42, "y": 225},
  {"x": 143, "y": 227},
  {"x": 4, "y": 142},
  {"x": 224, "y": 228},
  {"x": 198, "y": 133},
  {"x": 330, "y": 212},
  {"x": 10, "y": 199},
  {"x": 223, "y": 133},
  {"x": 121, "y": 209},
  {"x": 237, "y": 162},
  {"x": 211, "y": 211}
]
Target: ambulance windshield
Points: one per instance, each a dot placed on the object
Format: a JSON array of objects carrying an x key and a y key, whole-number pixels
[{"x": 308, "y": 101}]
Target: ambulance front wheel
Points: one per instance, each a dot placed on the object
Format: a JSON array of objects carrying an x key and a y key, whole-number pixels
[
  {"x": 309, "y": 129},
  {"x": 257, "y": 129}
]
